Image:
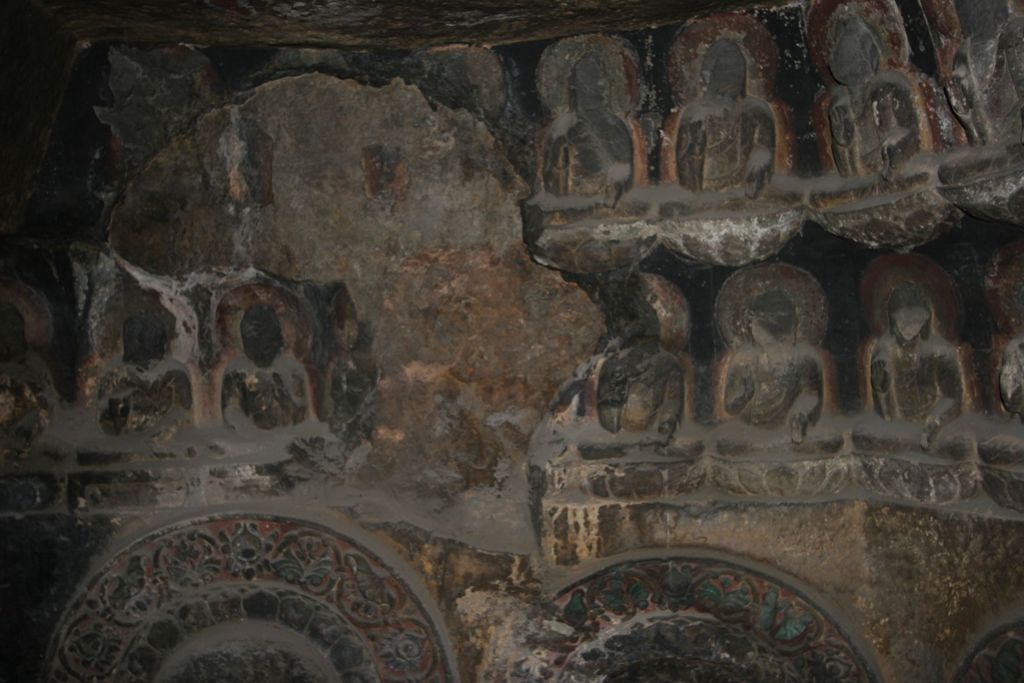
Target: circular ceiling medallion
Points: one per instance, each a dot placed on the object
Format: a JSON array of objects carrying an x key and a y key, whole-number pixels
[{"x": 238, "y": 598}]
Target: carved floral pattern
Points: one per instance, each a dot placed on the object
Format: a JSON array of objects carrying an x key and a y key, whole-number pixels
[
  {"x": 779, "y": 620},
  {"x": 1000, "y": 659},
  {"x": 178, "y": 581}
]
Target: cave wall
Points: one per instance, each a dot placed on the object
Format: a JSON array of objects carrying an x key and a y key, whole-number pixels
[
  {"x": 35, "y": 62},
  {"x": 685, "y": 353}
]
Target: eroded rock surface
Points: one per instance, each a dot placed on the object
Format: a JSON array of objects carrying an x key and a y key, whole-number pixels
[{"x": 314, "y": 177}]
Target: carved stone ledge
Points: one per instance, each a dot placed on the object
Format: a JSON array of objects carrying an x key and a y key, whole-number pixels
[
  {"x": 574, "y": 527},
  {"x": 132, "y": 489},
  {"x": 913, "y": 479},
  {"x": 181, "y": 485},
  {"x": 719, "y": 234},
  {"x": 651, "y": 477},
  {"x": 29, "y": 492},
  {"x": 779, "y": 478},
  {"x": 646, "y": 475},
  {"x": 1004, "y": 485},
  {"x": 901, "y": 220},
  {"x": 728, "y": 238},
  {"x": 585, "y": 243},
  {"x": 996, "y": 196},
  {"x": 573, "y": 532},
  {"x": 849, "y": 458}
]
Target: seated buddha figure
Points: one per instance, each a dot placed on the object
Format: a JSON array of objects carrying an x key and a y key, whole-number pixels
[
  {"x": 872, "y": 114},
  {"x": 965, "y": 98},
  {"x": 725, "y": 195},
  {"x": 1011, "y": 58},
  {"x": 914, "y": 375},
  {"x": 145, "y": 389},
  {"x": 985, "y": 90},
  {"x": 990, "y": 102},
  {"x": 588, "y": 158},
  {"x": 266, "y": 384},
  {"x": 352, "y": 374},
  {"x": 726, "y": 138},
  {"x": 640, "y": 391},
  {"x": 633, "y": 393},
  {"x": 1011, "y": 371},
  {"x": 588, "y": 150},
  {"x": 773, "y": 378},
  {"x": 1004, "y": 442},
  {"x": 878, "y": 135},
  {"x": 26, "y": 395}
]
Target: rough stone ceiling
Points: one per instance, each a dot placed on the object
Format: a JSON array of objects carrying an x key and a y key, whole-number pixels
[{"x": 379, "y": 23}]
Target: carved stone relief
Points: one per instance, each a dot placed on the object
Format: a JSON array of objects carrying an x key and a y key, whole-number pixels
[
  {"x": 137, "y": 378},
  {"x": 714, "y": 388},
  {"x": 175, "y": 602},
  {"x": 727, "y": 146},
  {"x": 264, "y": 335},
  {"x": 874, "y": 128},
  {"x": 27, "y": 396},
  {"x": 985, "y": 88},
  {"x": 168, "y": 368},
  {"x": 635, "y": 392},
  {"x": 705, "y": 620},
  {"x": 589, "y": 86},
  {"x": 1002, "y": 449},
  {"x": 1006, "y": 296},
  {"x": 351, "y": 376},
  {"x": 723, "y": 195},
  {"x": 724, "y": 137},
  {"x": 775, "y": 378},
  {"x": 590, "y": 154},
  {"x": 916, "y": 372},
  {"x": 775, "y": 430},
  {"x": 724, "y": 160},
  {"x": 998, "y": 659}
]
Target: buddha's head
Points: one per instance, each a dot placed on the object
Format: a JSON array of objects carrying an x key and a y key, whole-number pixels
[
  {"x": 772, "y": 318},
  {"x": 589, "y": 85},
  {"x": 856, "y": 54},
  {"x": 724, "y": 70},
  {"x": 262, "y": 340},
  {"x": 143, "y": 339},
  {"x": 910, "y": 313}
]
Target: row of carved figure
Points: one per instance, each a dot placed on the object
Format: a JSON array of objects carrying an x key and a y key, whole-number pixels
[
  {"x": 270, "y": 361},
  {"x": 900, "y": 157},
  {"x": 150, "y": 363},
  {"x": 776, "y": 383}
]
